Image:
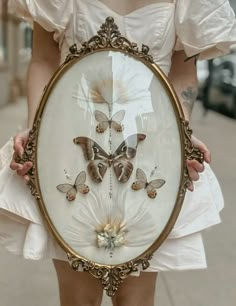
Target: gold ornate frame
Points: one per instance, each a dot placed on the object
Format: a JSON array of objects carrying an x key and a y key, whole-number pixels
[{"x": 109, "y": 38}]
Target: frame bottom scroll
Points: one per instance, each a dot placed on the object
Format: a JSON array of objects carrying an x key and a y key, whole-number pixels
[{"x": 110, "y": 276}]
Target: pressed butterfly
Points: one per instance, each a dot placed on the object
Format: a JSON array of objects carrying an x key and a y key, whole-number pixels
[
  {"x": 72, "y": 190},
  {"x": 105, "y": 122},
  {"x": 150, "y": 187},
  {"x": 100, "y": 160}
]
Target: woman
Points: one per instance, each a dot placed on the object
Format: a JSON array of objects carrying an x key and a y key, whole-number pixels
[{"x": 174, "y": 30}]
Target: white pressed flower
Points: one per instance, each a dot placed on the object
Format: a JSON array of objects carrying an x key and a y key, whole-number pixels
[
  {"x": 115, "y": 79},
  {"x": 111, "y": 237}
]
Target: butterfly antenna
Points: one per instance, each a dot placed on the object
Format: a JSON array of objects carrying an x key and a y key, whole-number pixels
[
  {"x": 68, "y": 177},
  {"x": 153, "y": 172}
]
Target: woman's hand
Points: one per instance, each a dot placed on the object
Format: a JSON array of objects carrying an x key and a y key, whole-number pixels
[
  {"x": 20, "y": 141},
  {"x": 44, "y": 62},
  {"x": 194, "y": 167}
]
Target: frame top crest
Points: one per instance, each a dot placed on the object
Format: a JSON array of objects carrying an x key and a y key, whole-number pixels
[{"x": 109, "y": 37}]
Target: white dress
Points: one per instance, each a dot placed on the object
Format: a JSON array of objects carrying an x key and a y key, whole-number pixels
[{"x": 197, "y": 26}]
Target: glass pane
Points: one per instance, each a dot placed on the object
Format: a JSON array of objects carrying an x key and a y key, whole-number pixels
[{"x": 109, "y": 127}]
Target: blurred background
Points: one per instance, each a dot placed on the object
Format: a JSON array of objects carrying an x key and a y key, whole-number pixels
[{"x": 26, "y": 283}]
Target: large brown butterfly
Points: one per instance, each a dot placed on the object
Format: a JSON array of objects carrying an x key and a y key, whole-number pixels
[
  {"x": 100, "y": 160},
  {"x": 150, "y": 187},
  {"x": 105, "y": 122},
  {"x": 71, "y": 190}
]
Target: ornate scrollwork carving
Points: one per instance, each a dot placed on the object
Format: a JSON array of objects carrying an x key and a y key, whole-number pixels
[
  {"x": 110, "y": 276},
  {"x": 29, "y": 155},
  {"x": 109, "y": 36},
  {"x": 190, "y": 153}
]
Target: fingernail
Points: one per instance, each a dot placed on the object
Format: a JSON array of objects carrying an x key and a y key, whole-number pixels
[{"x": 26, "y": 179}]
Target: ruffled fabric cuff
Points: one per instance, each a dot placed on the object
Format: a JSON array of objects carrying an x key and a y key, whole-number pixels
[{"x": 205, "y": 28}]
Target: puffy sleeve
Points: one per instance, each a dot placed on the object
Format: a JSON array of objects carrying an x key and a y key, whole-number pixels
[
  {"x": 52, "y": 15},
  {"x": 205, "y": 27}
]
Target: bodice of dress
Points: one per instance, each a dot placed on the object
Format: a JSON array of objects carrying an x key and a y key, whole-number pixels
[
  {"x": 152, "y": 25},
  {"x": 207, "y": 28}
]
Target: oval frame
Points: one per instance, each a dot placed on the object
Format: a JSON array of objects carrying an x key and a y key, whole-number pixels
[{"x": 109, "y": 38}]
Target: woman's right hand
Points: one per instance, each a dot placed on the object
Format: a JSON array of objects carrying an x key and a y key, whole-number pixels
[{"x": 19, "y": 143}]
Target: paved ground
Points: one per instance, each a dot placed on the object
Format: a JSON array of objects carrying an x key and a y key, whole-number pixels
[{"x": 25, "y": 283}]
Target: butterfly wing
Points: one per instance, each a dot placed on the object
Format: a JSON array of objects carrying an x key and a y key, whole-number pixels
[
  {"x": 91, "y": 150},
  {"x": 152, "y": 186},
  {"x": 71, "y": 194},
  {"x": 141, "y": 180},
  {"x": 100, "y": 116},
  {"x": 103, "y": 121},
  {"x": 141, "y": 176},
  {"x": 123, "y": 169},
  {"x": 158, "y": 183},
  {"x": 97, "y": 170},
  {"x": 98, "y": 157},
  {"x": 81, "y": 178},
  {"x": 116, "y": 120},
  {"x": 127, "y": 150},
  {"x": 128, "y": 147},
  {"x": 80, "y": 183},
  {"x": 64, "y": 187},
  {"x": 119, "y": 116},
  {"x": 69, "y": 190}
]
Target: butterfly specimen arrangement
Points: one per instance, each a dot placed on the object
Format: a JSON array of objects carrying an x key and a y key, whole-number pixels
[
  {"x": 72, "y": 190},
  {"x": 100, "y": 160},
  {"x": 113, "y": 122},
  {"x": 150, "y": 187}
]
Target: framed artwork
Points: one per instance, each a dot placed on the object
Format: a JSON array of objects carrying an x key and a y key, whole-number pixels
[{"x": 109, "y": 147}]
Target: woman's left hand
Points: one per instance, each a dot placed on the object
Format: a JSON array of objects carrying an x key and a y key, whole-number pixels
[{"x": 194, "y": 167}]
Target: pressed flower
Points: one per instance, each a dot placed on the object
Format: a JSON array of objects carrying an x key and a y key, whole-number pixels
[{"x": 109, "y": 225}]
